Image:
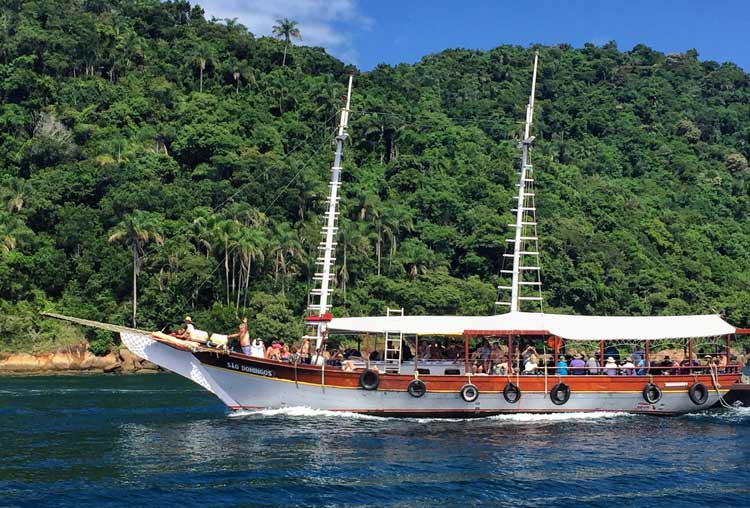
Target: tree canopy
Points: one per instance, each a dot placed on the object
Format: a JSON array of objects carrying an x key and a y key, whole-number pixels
[{"x": 123, "y": 115}]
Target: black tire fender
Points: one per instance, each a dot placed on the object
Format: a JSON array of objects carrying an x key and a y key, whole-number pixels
[
  {"x": 469, "y": 392},
  {"x": 651, "y": 393},
  {"x": 559, "y": 394},
  {"x": 698, "y": 393},
  {"x": 369, "y": 379},
  {"x": 511, "y": 393},
  {"x": 416, "y": 388}
]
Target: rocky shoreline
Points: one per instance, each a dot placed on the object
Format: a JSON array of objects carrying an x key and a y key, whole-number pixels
[{"x": 74, "y": 359}]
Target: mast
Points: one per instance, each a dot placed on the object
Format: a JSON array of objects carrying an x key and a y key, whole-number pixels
[
  {"x": 320, "y": 295},
  {"x": 526, "y": 240}
]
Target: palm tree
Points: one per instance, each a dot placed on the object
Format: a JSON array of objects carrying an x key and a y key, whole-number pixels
[
  {"x": 286, "y": 247},
  {"x": 139, "y": 229},
  {"x": 226, "y": 232},
  {"x": 250, "y": 244},
  {"x": 287, "y": 29},
  {"x": 202, "y": 55},
  {"x": 13, "y": 232},
  {"x": 15, "y": 194}
]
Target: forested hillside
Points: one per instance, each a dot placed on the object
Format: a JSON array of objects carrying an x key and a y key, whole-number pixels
[{"x": 138, "y": 131}]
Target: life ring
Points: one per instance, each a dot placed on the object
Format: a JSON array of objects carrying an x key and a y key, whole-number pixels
[
  {"x": 554, "y": 342},
  {"x": 559, "y": 394},
  {"x": 652, "y": 393},
  {"x": 698, "y": 393},
  {"x": 512, "y": 393},
  {"x": 369, "y": 379},
  {"x": 469, "y": 392},
  {"x": 416, "y": 388}
]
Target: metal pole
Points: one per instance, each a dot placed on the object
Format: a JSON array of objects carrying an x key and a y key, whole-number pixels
[{"x": 466, "y": 356}]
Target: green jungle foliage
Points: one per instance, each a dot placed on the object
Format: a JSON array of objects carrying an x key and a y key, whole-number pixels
[{"x": 140, "y": 142}]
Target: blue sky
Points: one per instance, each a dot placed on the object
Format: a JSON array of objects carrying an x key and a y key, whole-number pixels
[{"x": 369, "y": 32}]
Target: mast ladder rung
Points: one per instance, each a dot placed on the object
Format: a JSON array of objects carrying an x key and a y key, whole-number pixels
[
  {"x": 529, "y": 283},
  {"x": 524, "y": 209},
  {"x": 323, "y": 260},
  {"x": 531, "y": 298},
  {"x": 503, "y": 303},
  {"x": 337, "y": 167},
  {"x": 507, "y": 271},
  {"x": 504, "y": 287},
  {"x": 534, "y": 238},
  {"x": 526, "y": 223},
  {"x": 529, "y": 268},
  {"x": 529, "y": 194},
  {"x": 511, "y": 240},
  {"x": 528, "y": 253},
  {"x": 323, "y": 245}
]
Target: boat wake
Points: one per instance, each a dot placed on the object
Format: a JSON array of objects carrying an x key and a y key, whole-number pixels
[
  {"x": 307, "y": 412},
  {"x": 733, "y": 415},
  {"x": 301, "y": 412}
]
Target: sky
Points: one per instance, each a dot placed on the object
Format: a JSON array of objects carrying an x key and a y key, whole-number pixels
[{"x": 369, "y": 32}]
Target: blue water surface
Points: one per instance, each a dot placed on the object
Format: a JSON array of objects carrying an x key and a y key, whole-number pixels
[{"x": 158, "y": 440}]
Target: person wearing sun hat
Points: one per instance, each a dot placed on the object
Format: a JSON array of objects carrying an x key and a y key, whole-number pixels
[
  {"x": 189, "y": 329},
  {"x": 610, "y": 368}
]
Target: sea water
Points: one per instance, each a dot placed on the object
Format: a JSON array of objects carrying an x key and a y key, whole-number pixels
[{"x": 158, "y": 440}]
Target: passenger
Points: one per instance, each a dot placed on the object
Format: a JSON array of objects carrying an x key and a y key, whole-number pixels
[
  {"x": 723, "y": 363},
  {"x": 436, "y": 351},
  {"x": 637, "y": 355},
  {"x": 610, "y": 369},
  {"x": 562, "y": 366},
  {"x": 501, "y": 368},
  {"x": 319, "y": 358},
  {"x": 627, "y": 368},
  {"x": 188, "y": 330},
  {"x": 257, "y": 348},
  {"x": 285, "y": 353},
  {"x": 641, "y": 367},
  {"x": 592, "y": 365},
  {"x": 746, "y": 372},
  {"x": 424, "y": 351},
  {"x": 495, "y": 356},
  {"x": 528, "y": 353},
  {"x": 484, "y": 354},
  {"x": 347, "y": 366},
  {"x": 244, "y": 337},
  {"x": 577, "y": 365},
  {"x": 294, "y": 355},
  {"x": 274, "y": 352},
  {"x": 304, "y": 351},
  {"x": 665, "y": 366},
  {"x": 532, "y": 365}
]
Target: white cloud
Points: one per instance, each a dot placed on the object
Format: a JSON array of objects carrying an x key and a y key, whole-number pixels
[{"x": 332, "y": 24}]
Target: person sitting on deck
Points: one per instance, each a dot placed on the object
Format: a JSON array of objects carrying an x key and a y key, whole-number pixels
[
  {"x": 665, "y": 366},
  {"x": 188, "y": 330},
  {"x": 640, "y": 367},
  {"x": 528, "y": 353},
  {"x": 257, "y": 348},
  {"x": 304, "y": 351},
  {"x": 274, "y": 352},
  {"x": 627, "y": 368},
  {"x": 285, "y": 353},
  {"x": 592, "y": 365},
  {"x": 610, "y": 368},
  {"x": 577, "y": 365},
  {"x": 746, "y": 372},
  {"x": 532, "y": 365},
  {"x": 347, "y": 366},
  {"x": 502, "y": 368},
  {"x": 562, "y": 366}
]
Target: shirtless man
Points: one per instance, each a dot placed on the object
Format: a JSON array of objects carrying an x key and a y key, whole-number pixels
[{"x": 244, "y": 337}]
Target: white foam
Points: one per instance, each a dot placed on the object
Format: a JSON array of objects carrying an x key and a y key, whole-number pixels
[
  {"x": 733, "y": 415},
  {"x": 558, "y": 417},
  {"x": 301, "y": 411}
]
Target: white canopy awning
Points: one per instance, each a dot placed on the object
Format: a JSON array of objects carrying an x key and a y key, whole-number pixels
[{"x": 568, "y": 327}]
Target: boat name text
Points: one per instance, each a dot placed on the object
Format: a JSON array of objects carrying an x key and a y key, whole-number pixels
[{"x": 250, "y": 370}]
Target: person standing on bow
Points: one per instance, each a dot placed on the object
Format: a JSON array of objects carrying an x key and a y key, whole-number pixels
[{"x": 244, "y": 337}]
